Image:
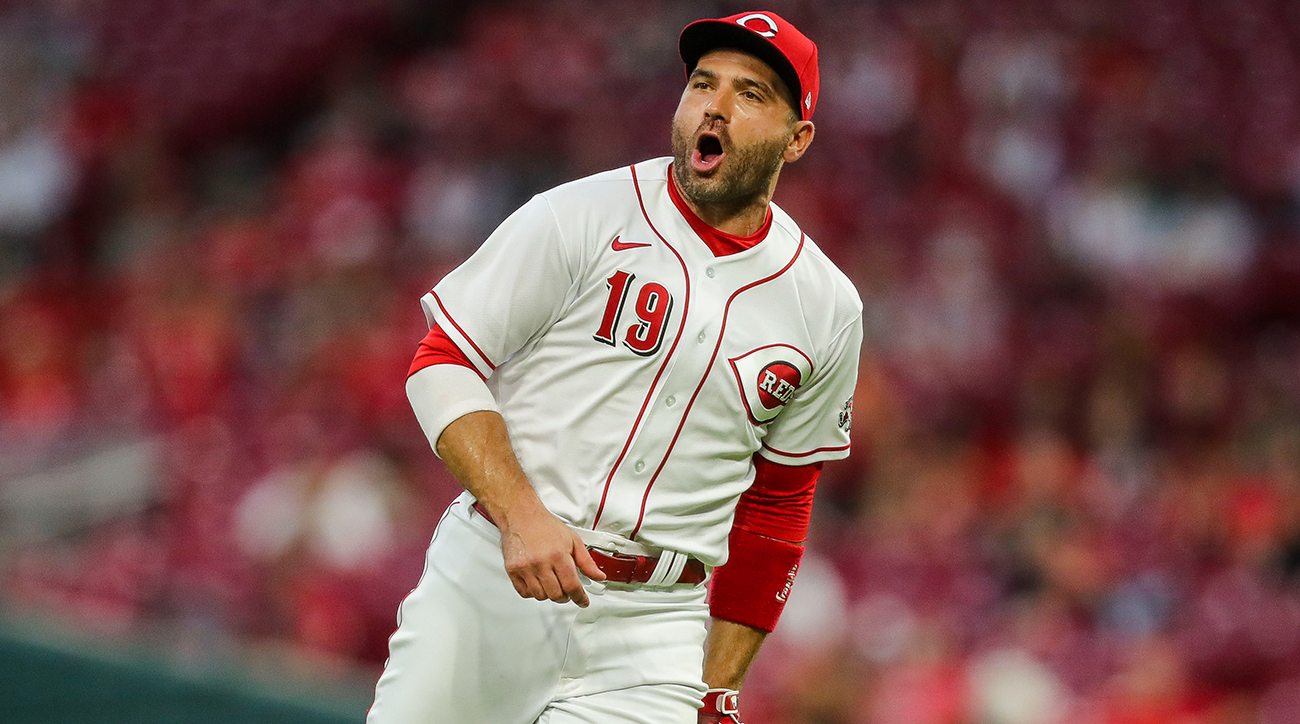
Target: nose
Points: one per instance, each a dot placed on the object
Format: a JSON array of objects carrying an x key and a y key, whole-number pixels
[{"x": 718, "y": 108}]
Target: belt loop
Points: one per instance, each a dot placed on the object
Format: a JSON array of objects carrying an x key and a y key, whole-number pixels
[{"x": 669, "y": 568}]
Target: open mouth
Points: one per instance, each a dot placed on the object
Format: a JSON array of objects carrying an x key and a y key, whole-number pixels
[{"x": 708, "y": 153}]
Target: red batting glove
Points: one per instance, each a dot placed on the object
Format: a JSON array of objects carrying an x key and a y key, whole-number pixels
[{"x": 721, "y": 706}]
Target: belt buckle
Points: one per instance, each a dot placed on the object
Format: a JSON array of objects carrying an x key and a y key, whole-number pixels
[{"x": 637, "y": 569}]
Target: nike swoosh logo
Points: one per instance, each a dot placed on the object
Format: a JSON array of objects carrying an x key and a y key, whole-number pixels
[{"x": 617, "y": 245}]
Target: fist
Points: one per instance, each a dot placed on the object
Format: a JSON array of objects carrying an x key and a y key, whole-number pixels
[{"x": 721, "y": 706}]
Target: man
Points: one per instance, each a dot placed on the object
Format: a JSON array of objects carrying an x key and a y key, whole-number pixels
[{"x": 636, "y": 378}]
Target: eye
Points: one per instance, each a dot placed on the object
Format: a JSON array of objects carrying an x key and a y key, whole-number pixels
[{"x": 751, "y": 95}]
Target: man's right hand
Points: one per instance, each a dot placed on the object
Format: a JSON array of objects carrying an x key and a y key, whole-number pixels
[{"x": 543, "y": 556}]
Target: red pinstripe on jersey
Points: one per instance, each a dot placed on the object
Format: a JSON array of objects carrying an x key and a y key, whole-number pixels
[
  {"x": 726, "y": 310},
  {"x": 438, "y": 349},
  {"x": 686, "y": 305},
  {"x": 805, "y": 454},
  {"x": 462, "y": 331}
]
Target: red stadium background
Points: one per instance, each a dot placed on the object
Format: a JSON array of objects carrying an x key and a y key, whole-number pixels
[{"x": 1075, "y": 225}]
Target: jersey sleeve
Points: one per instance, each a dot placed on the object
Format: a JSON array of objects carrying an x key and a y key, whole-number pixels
[
  {"x": 512, "y": 288},
  {"x": 814, "y": 427}
]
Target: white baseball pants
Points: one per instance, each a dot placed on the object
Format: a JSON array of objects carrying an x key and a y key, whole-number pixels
[{"x": 469, "y": 650}]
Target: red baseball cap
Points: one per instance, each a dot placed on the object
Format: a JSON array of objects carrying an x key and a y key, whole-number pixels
[{"x": 769, "y": 37}]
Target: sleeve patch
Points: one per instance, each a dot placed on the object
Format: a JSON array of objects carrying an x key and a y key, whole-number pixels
[{"x": 768, "y": 377}]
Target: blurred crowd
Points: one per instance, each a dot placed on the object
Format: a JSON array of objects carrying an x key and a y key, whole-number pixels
[{"x": 1075, "y": 488}]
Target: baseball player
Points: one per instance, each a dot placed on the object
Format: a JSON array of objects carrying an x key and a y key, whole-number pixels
[{"x": 637, "y": 379}]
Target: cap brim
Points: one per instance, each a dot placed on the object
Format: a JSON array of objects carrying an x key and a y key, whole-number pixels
[{"x": 702, "y": 36}]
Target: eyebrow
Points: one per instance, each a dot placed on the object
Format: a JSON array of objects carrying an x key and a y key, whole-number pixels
[
  {"x": 702, "y": 73},
  {"x": 765, "y": 88},
  {"x": 741, "y": 82}
]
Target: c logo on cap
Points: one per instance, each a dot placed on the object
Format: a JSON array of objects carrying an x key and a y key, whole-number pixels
[{"x": 771, "y": 25}]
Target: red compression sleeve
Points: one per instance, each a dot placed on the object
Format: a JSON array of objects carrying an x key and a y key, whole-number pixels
[
  {"x": 437, "y": 349},
  {"x": 779, "y": 503},
  {"x": 765, "y": 545}
]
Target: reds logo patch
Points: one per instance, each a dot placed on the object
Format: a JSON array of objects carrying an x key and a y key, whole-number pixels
[
  {"x": 777, "y": 383},
  {"x": 768, "y": 378}
]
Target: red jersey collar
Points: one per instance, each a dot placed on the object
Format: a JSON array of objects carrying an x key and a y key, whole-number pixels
[{"x": 719, "y": 242}]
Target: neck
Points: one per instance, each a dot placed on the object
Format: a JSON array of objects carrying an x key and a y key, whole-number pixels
[{"x": 743, "y": 217}]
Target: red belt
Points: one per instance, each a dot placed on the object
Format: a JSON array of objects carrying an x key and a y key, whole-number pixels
[{"x": 621, "y": 568}]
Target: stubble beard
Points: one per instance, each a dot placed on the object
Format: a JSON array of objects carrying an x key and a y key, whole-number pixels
[{"x": 744, "y": 176}]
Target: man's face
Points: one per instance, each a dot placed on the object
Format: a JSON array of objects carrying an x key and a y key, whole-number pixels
[{"x": 732, "y": 129}]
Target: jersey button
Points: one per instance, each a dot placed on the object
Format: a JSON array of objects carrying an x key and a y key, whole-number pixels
[
  {"x": 640, "y": 465},
  {"x": 671, "y": 400},
  {"x": 710, "y": 272},
  {"x": 700, "y": 338}
]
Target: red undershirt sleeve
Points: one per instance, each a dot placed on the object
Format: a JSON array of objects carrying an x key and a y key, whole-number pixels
[
  {"x": 766, "y": 545},
  {"x": 438, "y": 349}
]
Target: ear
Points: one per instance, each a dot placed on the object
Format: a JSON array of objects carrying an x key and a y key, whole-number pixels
[{"x": 800, "y": 140}]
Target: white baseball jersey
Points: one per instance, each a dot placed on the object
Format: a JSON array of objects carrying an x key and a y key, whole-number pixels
[{"x": 637, "y": 372}]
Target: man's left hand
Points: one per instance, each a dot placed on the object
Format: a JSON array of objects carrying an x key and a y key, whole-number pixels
[{"x": 721, "y": 706}]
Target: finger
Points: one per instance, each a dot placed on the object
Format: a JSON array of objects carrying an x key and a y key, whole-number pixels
[
  {"x": 568, "y": 575},
  {"x": 552, "y": 587},
  {"x": 532, "y": 587},
  {"x": 585, "y": 562},
  {"x": 521, "y": 585}
]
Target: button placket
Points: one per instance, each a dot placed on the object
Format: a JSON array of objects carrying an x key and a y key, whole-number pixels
[{"x": 687, "y": 365}]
